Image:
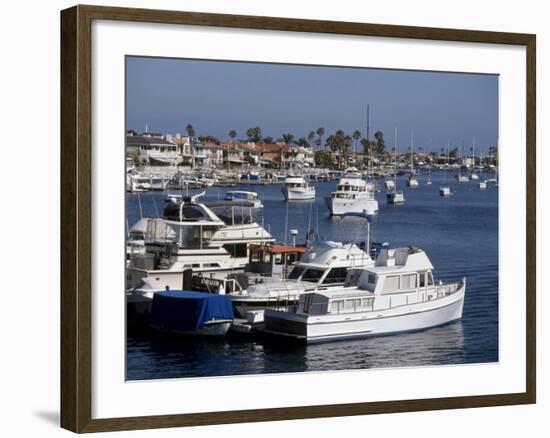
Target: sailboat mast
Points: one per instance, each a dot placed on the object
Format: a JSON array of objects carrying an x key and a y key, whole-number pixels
[
  {"x": 368, "y": 141},
  {"x": 395, "y": 158},
  {"x": 412, "y": 147}
]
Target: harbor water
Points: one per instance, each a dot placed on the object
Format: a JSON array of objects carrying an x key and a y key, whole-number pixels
[{"x": 459, "y": 234}]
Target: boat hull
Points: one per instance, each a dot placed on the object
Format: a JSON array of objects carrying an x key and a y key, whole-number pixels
[
  {"x": 298, "y": 194},
  {"x": 444, "y": 191},
  {"x": 216, "y": 328},
  {"x": 342, "y": 206},
  {"x": 395, "y": 198},
  {"x": 408, "y": 318}
]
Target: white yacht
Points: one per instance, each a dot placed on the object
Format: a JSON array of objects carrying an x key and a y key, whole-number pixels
[
  {"x": 352, "y": 195},
  {"x": 445, "y": 191},
  {"x": 192, "y": 237},
  {"x": 482, "y": 185},
  {"x": 412, "y": 181},
  {"x": 135, "y": 242},
  {"x": 324, "y": 265},
  {"x": 397, "y": 294},
  {"x": 296, "y": 188},
  {"x": 135, "y": 182},
  {"x": 389, "y": 184},
  {"x": 395, "y": 197},
  {"x": 242, "y": 195}
]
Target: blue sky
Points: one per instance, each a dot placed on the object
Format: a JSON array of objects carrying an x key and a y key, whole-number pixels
[{"x": 217, "y": 96}]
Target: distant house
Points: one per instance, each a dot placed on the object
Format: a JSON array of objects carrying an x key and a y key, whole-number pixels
[
  {"x": 214, "y": 155},
  {"x": 232, "y": 154},
  {"x": 186, "y": 152},
  {"x": 152, "y": 149},
  {"x": 298, "y": 156}
]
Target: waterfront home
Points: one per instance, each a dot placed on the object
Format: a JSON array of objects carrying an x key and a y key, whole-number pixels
[
  {"x": 214, "y": 155},
  {"x": 299, "y": 156},
  {"x": 152, "y": 149},
  {"x": 185, "y": 150},
  {"x": 232, "y": 155}
]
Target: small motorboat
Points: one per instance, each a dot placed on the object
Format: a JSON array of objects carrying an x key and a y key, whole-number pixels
[{"x": 191, "y": 313}]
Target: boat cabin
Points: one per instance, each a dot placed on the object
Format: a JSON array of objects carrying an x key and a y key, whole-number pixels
[
  {"x": 400, "y": 276},
  {"x": 295, "y": 182},
  {"x": 273, "y": 259},
  {"x": 241, "y": 195}
]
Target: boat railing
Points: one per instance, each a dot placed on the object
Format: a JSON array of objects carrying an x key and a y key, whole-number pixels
[
  {"x": 429, "y": 294},
  {"x": 214, "y": 285}
]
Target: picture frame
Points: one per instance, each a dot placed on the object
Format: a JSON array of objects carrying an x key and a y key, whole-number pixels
[{"x": 76, "y": 217}]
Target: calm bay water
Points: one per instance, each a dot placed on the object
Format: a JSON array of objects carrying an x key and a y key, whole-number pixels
[{"x": 459, "y": 234}]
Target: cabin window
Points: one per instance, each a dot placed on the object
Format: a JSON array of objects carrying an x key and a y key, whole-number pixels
[
  {"x": 295, "y": 273},
  {"x": 336, "y": 306},
  {"x": 367, "y": 303},
  {"x": 391, "y": 283},
  {"x": 312, "y": 275},
  {"x": 336, "y": 275},
  {"x": 353, "y": 304},
  {"x": 430, "y": 279},
  {"x": 409, "y": 281},
  {"x": 255, "y": 257},
  {"x": 237, "y": 249},
  {"x": 291, "y": 258},
  {"x": 371, "y": 279},
  {"x": 422, "y": 279}
]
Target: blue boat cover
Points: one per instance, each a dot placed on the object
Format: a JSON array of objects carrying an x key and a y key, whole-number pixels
[{"x": 187, "y": 310}]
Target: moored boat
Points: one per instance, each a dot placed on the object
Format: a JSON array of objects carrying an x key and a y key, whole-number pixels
[
  {"x": 324, "y": 264},
  {"x": 352, "y": 195},
  {"x": 398, "y": 294},
  {"x": 242, "y": 195},
  {"x": 296, "y": 188},
  {"x": 191, "y": 313}
]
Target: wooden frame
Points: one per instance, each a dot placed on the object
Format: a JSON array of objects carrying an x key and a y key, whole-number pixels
[{"x": 76, "y": 177}]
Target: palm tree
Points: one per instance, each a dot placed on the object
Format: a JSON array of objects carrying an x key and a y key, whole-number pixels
[
  {"x": 254, "y": 134},
  {"x": 320, "y": 133},
  {"x": 190, "y": 130},
  {"x": 310, "y": 137},
  {"x": 288, "y": 138},
  {"x": 356, "y": 136},
  {"x": 232, "y": 134}
]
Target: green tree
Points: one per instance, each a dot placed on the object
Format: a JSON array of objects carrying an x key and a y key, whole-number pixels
[
  {"x": 254, "y": 134},
  {"x": 232, "y": 134},
  {"x": 321, "y": 133},
  {"x": 190, "y": 130},
  {"x": 288, "y": 138},
  {"x": 379, "y": 144}
]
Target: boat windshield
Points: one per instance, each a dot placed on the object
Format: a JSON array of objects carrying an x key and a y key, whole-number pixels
[
  {"x": 235, "y": 215},
  {"x": 336, "y": 275},
  {"x": 295, "y": 273},
  {"x": 312, "y": 275}
]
